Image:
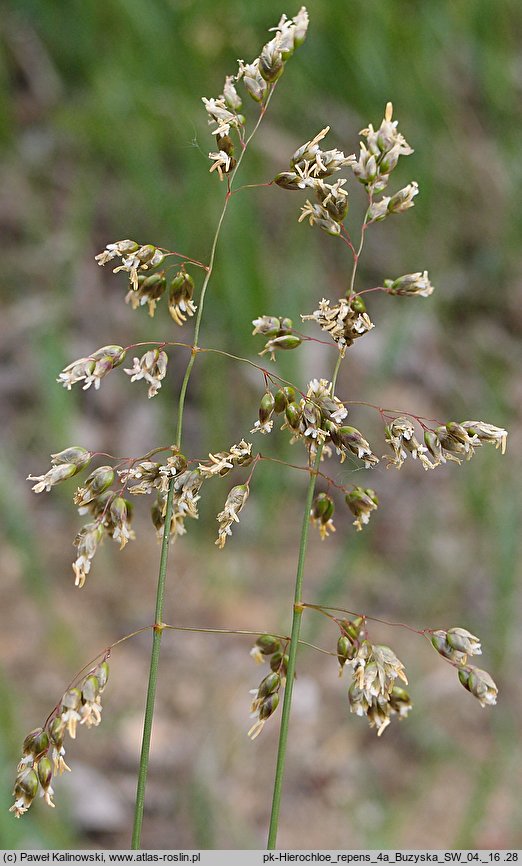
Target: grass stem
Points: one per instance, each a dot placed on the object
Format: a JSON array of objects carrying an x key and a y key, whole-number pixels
[
  {"x": 162, "y": 573},
  {"x": 294, "y": 643}
]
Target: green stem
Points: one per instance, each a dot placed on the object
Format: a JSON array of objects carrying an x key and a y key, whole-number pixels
[
  {"x": 153, "y": 678},
  {"x": 206, "y": 281},
  {"x": 294, "y": 642},
  {"x": 162, "y": 574},
  {"x": 298, "y": 604},
  {"x": 357, "y": 256},
  {"x": 188, "y": 371}
]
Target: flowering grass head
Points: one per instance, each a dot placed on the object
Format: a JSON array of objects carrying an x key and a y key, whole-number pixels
[
  {"x": 43, "y": 749},
  {"x": 325, "y": 428}
]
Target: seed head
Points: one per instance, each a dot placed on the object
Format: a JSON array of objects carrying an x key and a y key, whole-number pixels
[
  {"x": 373, "y": 691},
  {"x": 180, "y": 297},
  {"x": 286, "y": 342},
  {"x": 150, "y": 290},
  {"x": 410, "y": 285},
  {"x": 255, "y": 84},
  {"x": 266, "y": 700},
  {"x": 266, "y": 409},
  {"x": 321, "y": 514},
  {"x": 400, "y": 436},
  {"x": 233, "y": 505},
  {"x": 134, "y": 258},
  {"x": 152, "y": 367},
  {"x": 220, "y": 115},
  {"x": 87, "y": 541},
  {"x": 92, "y": 370},
  {"x": 96, "y": 483},
  {"x": 348, "y": 440},
  {"x": 345, "y": 322},
  {"x": 54, "y": 476},
  {"x": 380, "y": 153},
  {"x": 480, "y": 684},
  {"x": 222, "y": 462},
  {"x": 265, "y": 645},
  {"x": 361, "y": 501}
]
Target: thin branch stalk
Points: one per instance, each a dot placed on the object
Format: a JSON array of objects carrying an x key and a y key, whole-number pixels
[
  {"x": 298, "y": 604},
  {"x": 162, "y": 574},
  {"x": 294, "y": 642},
  {"x": 153, "y": 679}
]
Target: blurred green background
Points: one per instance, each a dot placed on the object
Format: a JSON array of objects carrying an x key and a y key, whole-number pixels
[{"x": 104, "y": 136}]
